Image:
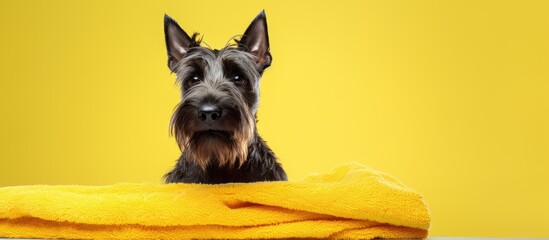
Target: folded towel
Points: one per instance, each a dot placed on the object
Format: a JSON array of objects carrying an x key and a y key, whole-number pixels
[{"x": 353, "y": 201}]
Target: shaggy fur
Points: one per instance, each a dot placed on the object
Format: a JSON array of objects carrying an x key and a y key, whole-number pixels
[{"x": 215, "y": 122}]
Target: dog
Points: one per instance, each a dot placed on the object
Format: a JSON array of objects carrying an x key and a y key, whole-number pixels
[{"x": 215, "y": 122}]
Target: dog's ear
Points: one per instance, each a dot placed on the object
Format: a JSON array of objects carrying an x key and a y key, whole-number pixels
[
  {"x": 177, "y": 41},
  {"x": 256, "y": 41}
]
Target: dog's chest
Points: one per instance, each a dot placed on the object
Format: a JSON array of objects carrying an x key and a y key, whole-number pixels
[{"x": 224, "y": 175}]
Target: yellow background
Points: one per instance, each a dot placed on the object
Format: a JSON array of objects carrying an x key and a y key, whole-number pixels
[{"x": 451, "y": 97}]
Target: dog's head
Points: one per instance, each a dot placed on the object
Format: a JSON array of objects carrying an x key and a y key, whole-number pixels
[{"x": 215, "y": 120}]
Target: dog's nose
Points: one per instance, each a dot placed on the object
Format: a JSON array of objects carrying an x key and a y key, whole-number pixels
[{"x": 209, "y": 113}]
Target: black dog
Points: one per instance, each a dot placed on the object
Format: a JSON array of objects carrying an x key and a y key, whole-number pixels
[{"x": 215, "y": 123}]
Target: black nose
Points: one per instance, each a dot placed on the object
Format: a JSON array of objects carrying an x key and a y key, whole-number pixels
[{"x": 209, "y": 113}]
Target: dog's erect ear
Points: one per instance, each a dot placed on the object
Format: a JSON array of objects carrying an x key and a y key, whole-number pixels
[
  {"x": 177, "y": 41},
  {"x": 256, "y": 41}
]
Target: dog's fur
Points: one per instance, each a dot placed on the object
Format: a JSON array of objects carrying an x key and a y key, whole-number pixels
[{"x": 215, "y": 122}]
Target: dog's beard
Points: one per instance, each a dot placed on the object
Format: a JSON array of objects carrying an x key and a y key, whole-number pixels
[
  {"x": 223, "y": 147},
  {"x": 207, "y": 147}
]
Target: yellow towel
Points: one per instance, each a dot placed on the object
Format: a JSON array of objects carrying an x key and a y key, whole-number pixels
[{"x": 353, "y": 201}]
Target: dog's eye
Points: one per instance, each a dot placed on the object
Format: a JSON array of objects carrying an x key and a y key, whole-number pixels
[
  {"x": 238, "y": 80},
  {"x": 194, "y": 79}
]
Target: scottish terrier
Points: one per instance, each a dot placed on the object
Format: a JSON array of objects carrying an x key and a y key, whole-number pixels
[{"x": 215, "y": 122}]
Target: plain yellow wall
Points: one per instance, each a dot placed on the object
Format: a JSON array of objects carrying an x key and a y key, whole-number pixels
[{"x": 451, "y": 97}]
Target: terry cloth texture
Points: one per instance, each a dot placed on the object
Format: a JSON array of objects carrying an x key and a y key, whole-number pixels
[{"x": 353, "y": 201}]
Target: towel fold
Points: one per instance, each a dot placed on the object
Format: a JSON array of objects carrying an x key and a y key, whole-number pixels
[{"x": 353, "y": 201}]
